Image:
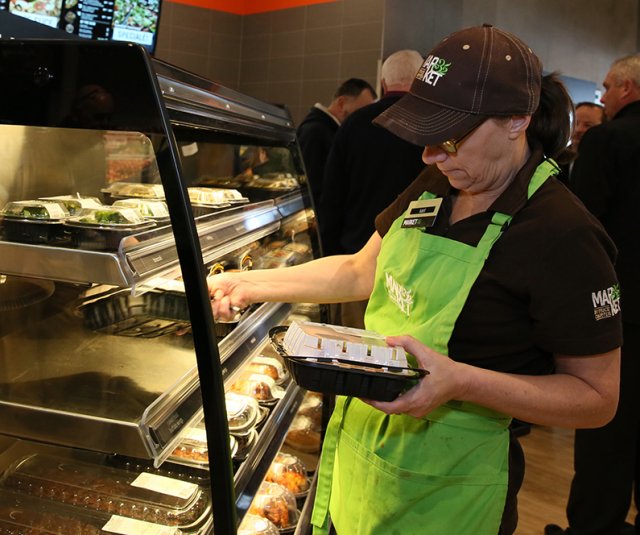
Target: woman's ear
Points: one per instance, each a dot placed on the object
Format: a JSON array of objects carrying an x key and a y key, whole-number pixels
[{"x": 518, "y": 124}]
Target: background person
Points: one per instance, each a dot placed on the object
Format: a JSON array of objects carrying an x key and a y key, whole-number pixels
[
  {"x": 366, "y": 170},
  {"x": 493, "y": 295},
  {"x": 316, "y": 131},
  {"x": 606, "y": 177}
]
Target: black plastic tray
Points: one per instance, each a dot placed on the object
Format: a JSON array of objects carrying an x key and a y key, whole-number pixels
[{"x": 346, "y": 377}]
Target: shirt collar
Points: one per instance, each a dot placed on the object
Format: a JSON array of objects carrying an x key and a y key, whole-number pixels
[{"x": 326, "y": 110}]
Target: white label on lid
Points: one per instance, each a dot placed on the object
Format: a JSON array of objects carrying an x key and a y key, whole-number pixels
[
  {"x": 89, "y": 203},
  {"x": 157, "y": 209},
  {"x": 55, "y": 210},
  {"x": 131, "y": 526},
  {"x": 165, "y": 485}
]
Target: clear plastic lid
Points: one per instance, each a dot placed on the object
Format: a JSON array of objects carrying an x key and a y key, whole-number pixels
[
  {"x": 21, "y": 515},
  {"x": 311, "y": 407},
  {"x": 193, "y": 450},
  {"x": 74, "y": 203},
  {"x": 275, "y": 503},
  {"x": 269, "y": 366},
  {"x": 302, "y": 435},
  {"x": 36, "y": 210},
  {"x": 134, "y": 189},
  {"x": 290, "y": 472},
  {"x": 109, "y": 216},
  {"x": 214, "y": 195},
  {"x": 257, "y": 525},
  {"x": 148, "y": 208},
  {"x": 242, "y": 412},
  {"x": 143, "y": 496},
  {"x": 260, "y": 387}
]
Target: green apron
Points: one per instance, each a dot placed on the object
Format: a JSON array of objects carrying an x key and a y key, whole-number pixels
[{"x": 448, "y": 471}]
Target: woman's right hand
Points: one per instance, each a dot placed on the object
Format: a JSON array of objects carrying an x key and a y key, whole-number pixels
[{"x": 229, "y": 295}]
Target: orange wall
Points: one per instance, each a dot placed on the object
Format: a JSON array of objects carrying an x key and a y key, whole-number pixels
[{"x": 248, "y": 7}]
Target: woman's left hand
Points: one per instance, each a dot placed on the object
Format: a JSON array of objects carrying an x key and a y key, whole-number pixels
[{"x": 444, "y": 382}]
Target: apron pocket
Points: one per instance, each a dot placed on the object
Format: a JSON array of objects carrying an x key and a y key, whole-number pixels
[{"x": 372, "y": 496}]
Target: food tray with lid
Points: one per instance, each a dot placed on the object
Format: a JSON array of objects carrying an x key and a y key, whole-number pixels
[
  {"x": 270, "y": 366},
  {"x": 176, "y": 470},
  {"x": 290, "y": 472},
  {"x": 35, "y": 221},
  {"x": 102, "y": 229},
  {"x": 242, "y": 412},
  {"x": 143, "y": 496},
  {"x": 260, "y": 387},
  {"x": 257, "y": 525},
  {"x": 246, "y": 442},
  {"x": 344, "y": 361},
  {"x": 193, "y": 450},
  {"x": 277, "y": 504},
  {"x": 303, "y": 436},
  {"x": 74, "y": 203},
  {"x": 153, "y": 209},
  {"x": 124, "y": 190}
]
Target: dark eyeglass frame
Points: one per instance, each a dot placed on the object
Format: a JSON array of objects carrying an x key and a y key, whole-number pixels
[{"x": 451, "y": 146}]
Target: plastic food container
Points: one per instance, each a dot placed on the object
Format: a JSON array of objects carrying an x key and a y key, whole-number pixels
[
  {"x": 269, "y": 366},
  {"x": 103, "y": 228},
  {"x": 152, "y": 314},
  {"x": 215, "y": 196},
  {"x": 194, "y": 450},
  {"x": 149, "y": 209},
  {"x": 242, "y": 412},
  {"x": 143, "y": 496},
  {"x": 290, "y": 472},
  {"x": 177, "y": 470},
  {"x": 257, "y": 525},
  {"x": 246, "y": 443},
  {"x": 35, "y": 221},
  {"x": 302, "y": 435},
  {"x": 123, "y": 190},
  {"x": 344, "y": 361},
  {"x": 27, "y": 515},
  {"x": 260, "y": 387},
  {"x": 311, "y": 407},
  {"x": 74, "y": 204},
  {"x": 277, "y": 504}
]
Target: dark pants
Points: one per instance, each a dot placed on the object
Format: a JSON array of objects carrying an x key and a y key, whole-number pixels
[{"x": 606, "y": 459}]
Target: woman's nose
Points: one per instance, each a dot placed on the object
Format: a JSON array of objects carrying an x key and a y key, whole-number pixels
[{"x": 433, "y": 154}]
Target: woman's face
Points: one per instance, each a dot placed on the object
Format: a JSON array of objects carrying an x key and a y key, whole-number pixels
[{"x": 484, "y": 161}]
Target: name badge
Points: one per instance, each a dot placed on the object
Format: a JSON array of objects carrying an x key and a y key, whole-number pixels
[{"x": 422, "y": 214}]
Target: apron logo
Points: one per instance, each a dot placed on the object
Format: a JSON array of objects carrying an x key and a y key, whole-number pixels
[
  {"x": 606, "y": 303},
  {"x": 432, "y": 70},
  {"x": 399, "y": 295}
]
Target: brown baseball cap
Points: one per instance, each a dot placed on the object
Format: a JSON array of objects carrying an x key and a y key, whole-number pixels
[{"x": 470, "y": 75}]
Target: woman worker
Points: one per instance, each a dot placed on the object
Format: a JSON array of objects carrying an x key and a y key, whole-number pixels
[{"x": 508, "y": 297}]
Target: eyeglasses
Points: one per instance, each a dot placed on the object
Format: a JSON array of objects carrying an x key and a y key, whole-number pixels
[{"x": 451, "y": 145}]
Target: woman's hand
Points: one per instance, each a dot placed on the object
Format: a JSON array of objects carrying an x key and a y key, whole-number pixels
[
  {"x": 444, "y": 382},
  {"x": 229, "y": 294}
]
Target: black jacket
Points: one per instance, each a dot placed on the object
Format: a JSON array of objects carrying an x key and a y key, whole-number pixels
[
  {"x": 315, "y": 136},
  {"x": 367, "y": 169},
  {"x": 606, "y": 177}
]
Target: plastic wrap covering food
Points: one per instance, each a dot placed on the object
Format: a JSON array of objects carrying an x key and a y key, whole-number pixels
[
  {"x": 302, "y": 435},
  {"x": 311, "y": 407},
  {"x": 275, "y": 503},
  {"x": 290, "y": 472},
  {"x": 27, "y": 515},
  {"x": 144, "y": 496},
  {"x": 34, "y": 221},
  {"x": 74, "y": 203},
  {"x": 149, "y": 209},
  {"x": 122, "y": 190},
  {"x": 260, "y": 387},
  {"x": 257, "y": 525}
]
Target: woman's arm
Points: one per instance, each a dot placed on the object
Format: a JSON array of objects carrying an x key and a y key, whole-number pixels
[
  {"x": 583, "y": 392},
  {"x": 331, "y": 279}
]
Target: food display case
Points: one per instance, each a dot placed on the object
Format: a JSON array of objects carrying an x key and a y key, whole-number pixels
[{"x": 124, "y": 183}]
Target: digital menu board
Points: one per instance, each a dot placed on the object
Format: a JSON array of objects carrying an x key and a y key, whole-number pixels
[{"x": 134, "y": 21}]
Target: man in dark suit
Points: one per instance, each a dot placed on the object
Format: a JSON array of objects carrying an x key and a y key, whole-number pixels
[
  {"x": 606, "y": 177},
  {"x": 316, "y": 131},
  {"x": 368, "y": 167}
]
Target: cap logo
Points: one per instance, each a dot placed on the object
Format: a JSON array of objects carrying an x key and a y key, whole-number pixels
[{"x": 432, "y": 70}]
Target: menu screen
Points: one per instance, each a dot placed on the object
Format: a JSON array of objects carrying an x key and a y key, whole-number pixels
[{"x": 134, "y": 21}]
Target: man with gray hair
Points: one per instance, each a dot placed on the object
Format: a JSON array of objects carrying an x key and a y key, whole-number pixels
[
  {"x": 606, "y": 177},
  {"x": 366, "y": 170}
]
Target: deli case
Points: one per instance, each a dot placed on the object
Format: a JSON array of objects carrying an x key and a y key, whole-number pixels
[{"x": 124, "y": 183}]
